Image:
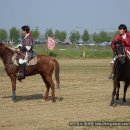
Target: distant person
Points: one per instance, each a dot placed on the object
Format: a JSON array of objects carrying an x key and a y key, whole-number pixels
[
  {"x": 124, "y": 37},
  {"x": 24, "y": 50}
]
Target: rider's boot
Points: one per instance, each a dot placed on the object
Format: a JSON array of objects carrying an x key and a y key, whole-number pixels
[{"x": 21, "y": 74}]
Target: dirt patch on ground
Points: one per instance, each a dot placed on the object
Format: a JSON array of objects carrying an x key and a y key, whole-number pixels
[{"x": 85, "y": 91}]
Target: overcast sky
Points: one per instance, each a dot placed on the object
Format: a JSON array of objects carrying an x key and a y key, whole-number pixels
[{"x": 93, "y": 15}]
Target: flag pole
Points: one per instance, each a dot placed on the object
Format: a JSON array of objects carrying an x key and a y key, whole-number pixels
[{"x": 47, "y": 46}]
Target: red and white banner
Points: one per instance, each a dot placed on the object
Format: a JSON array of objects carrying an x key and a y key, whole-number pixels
[{"x": 50, "y": 43}]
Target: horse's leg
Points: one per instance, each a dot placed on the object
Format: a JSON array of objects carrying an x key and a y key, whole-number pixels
[
  {"x": 52, "y": 86},
  {"x": 114, "y": 91},
  {"x": 47, "y": 92},
  {"x": 47, "y": 87},
  {"x": 13, "y": 81},
  {"x": 118, "y": 88},
  {"x": 125, "y": 90}
]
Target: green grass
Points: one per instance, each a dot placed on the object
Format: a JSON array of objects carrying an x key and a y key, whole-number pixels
[{"x": 71, "y": 51}]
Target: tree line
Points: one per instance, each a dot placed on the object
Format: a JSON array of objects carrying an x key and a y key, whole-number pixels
[{"x": 74, "y": 36}]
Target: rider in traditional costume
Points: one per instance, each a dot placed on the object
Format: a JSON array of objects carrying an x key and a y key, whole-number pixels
[
  {"x": 124, "y": 37},
  {"x": 24, "y": 50}
]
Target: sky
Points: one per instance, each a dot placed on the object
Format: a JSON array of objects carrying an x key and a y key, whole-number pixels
[{"x": 65, "y": 15}]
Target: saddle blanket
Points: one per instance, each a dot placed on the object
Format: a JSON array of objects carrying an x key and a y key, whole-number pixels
[{"x": 29, "y": 63}]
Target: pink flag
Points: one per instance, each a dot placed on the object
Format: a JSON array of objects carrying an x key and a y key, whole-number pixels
[{"x": 50, "y": 43}]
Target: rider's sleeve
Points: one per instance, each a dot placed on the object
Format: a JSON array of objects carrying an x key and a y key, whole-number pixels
[
  {"x": 116, "y": 39},
  {"x": 126, "y": 42},
  {"x": 18, "y": 46},
  {"x": 29, "y": 43},
  {"x": 112, "y": 45}
]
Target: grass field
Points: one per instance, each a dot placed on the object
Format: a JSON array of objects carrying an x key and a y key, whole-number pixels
[
  {"x": 85, "y": 91},
  {"x": 71, "y": 51}
]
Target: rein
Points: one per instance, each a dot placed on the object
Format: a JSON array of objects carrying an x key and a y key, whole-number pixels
[{"x": 120, "y": 56}]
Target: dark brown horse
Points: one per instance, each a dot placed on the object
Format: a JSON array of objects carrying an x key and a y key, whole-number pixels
[
  {"x": 45, "y": 67},
  {"x": 121, "y": 72}
]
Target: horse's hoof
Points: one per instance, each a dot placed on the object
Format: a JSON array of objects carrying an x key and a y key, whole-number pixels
[
  {"x": 114, "y": 105},
  {"x": 50, "y": 101},
  {"x": 124, "y": 100},
  {"x": 117, "y": 98},
  {"x": 14, "y": 99},
  {"x": 53, "y": 100},
  {"x": 46, "y": 100},
  {"x": 111, "y": 103},
  {"x": 60, "y": 98}
]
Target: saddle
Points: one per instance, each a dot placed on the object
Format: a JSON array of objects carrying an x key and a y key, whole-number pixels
[{"x": 33, "y": 61}]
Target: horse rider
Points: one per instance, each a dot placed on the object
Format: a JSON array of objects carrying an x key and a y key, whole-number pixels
[
  {"x": 124, "y": 37},
  {"x": 24, "y": 50}
]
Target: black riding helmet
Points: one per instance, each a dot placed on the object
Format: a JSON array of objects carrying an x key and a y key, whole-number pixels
[
  {"x": 26, "y": 28},
  {"x": 122, "y": 26}
]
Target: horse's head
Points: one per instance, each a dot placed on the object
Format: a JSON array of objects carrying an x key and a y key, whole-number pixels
[
  {"x": 120, "y": 52},
  {"x": 5, "y": 50}
]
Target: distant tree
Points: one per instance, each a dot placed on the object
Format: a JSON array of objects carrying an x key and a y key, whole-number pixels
[
  {"x": 3, "y": 35},
  {"x": 101, "y": 37},
  {"x": 57, "y": 34},
  {"x": 74, "y": 36},
  {"x": 35, "y": 33},
  {"x": 77, "y": 36},
  {"x": 105, "y": 37},
  {"x": 49, "y": 33},
  {"x": 85, "y": 36},
  {"x": 96, "y": 37},
  {"x": 62, "y": 35},
  {"x": 14, "y": 34}
]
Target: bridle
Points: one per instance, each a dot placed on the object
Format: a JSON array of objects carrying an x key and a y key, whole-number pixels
[{"x": 120, "y": 55}]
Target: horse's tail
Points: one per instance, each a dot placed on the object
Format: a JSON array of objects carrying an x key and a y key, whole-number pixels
[{"x": 57, "y": 71}]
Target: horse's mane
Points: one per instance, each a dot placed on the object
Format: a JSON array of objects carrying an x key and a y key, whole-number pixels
[
  {"x": 10, "y": 50},
  {"x": 7, "y": 48}
]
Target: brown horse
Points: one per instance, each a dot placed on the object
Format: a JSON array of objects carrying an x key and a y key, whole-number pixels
[{"x": 45, "y": 67}]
